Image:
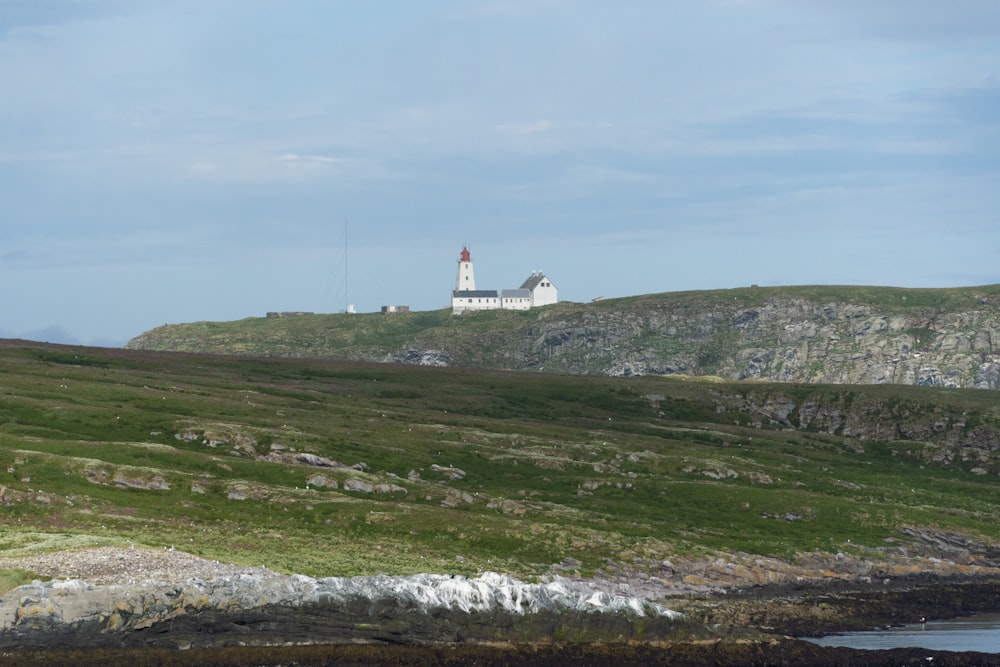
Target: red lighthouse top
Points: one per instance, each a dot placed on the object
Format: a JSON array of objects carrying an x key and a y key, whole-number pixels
[{"x": 466, "y": 257}]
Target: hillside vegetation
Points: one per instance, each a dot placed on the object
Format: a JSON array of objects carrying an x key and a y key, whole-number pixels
[
  {"x": 344, "y": 468},
  {"x": 820, "y": 334}
]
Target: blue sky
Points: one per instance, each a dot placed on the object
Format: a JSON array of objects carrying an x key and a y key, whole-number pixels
[{"x": 177, "y": 161}]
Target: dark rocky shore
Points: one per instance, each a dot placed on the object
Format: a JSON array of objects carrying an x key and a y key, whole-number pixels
[
  {"x": 785, "y": 652},
  {"x": 835, "y": 605}
]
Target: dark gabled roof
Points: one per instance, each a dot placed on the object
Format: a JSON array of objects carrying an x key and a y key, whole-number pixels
[
  {"x": 515, "y": 293},
  {"x": 475, "y": 293},
  {"x": 533, "y": 280}
]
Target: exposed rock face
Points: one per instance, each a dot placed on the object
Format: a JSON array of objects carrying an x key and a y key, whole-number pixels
[
  {"x": 943, "y": 338},
  {"x": 421, "y": 357},
  {"x": 259, "y": 609},
  {"x": 946, "y": 436},
  {"x": 784, "y": 339}
]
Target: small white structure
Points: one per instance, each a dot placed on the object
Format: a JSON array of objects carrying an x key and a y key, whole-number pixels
[{"x": 537, "y": 290}]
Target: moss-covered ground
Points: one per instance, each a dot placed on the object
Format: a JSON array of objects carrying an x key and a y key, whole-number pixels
[{"x": 467, "y": 469}]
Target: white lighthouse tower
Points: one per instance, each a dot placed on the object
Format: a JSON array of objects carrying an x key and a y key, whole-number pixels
[
  {"x": 466, "y": 297},
  {"x": 466, "y": 279}
]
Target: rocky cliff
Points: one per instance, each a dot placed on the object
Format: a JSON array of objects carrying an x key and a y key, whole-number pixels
[
  {"x": 843, "y": 336},
  {"x": 855, "y": 335}
]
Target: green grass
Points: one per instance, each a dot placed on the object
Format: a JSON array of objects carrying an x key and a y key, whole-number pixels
[
  {"x": 11, "y": 579},
  {"x": 94, "y": 449},
  {"x": 893, "y": 299},
  {"x": 703, "y": 333}
]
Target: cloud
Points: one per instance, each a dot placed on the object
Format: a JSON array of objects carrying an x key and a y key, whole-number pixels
[
  {"x": 515, "y": 9},
  {"x": 295, "y": 157},
  {"x": 927, "y": 22},
  {"x": 253, "y": 164},
  {"x": 16, "y": 16},
  {"x": 529, "y": 127}
]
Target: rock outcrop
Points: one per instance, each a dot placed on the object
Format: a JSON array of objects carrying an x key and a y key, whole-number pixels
[
  {"x": 259, "y": 609},
  {"x": 842, "y": 335},
  {"x": 783, "y": 338},
  {"x": 420, "y": 357},
  {"x": 935, "y": 432}
]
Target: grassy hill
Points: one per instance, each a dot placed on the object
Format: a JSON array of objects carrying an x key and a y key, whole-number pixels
[
  {"x": 822, "y": 334},
  {"x": 338, "y": 468}
]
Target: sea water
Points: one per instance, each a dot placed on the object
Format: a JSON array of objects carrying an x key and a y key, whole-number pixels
[{"x": 980, "y": 632}]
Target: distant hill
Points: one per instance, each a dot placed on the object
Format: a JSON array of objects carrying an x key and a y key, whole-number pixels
[{"x": 815, "y": 334}]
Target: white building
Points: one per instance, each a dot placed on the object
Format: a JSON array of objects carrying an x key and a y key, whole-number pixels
[{"x": 537, "y": 290}]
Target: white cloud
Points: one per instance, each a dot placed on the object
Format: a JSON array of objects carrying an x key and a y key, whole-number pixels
[{"x": 529, "y": 127}]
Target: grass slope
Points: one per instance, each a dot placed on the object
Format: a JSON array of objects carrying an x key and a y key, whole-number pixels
[
  {"x": 492, "y": 338},
  {"x": 466, "y": 470}
]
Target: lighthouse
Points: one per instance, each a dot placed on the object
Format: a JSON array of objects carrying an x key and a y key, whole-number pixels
[
  {"x": 466, "y": 279},
  {"x": 537, "y": 290}
]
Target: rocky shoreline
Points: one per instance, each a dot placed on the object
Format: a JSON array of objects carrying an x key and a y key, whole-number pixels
[
  {"x": 223, "y": 606},
  {"x": 834, "y": 606},
  {"x": 148, "y": 601}
]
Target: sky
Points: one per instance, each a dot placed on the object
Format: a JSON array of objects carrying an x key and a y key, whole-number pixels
[{"x": 170, "y": 161}]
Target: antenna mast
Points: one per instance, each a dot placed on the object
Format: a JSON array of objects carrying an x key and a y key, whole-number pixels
[{"x": 347, "y": 300}]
